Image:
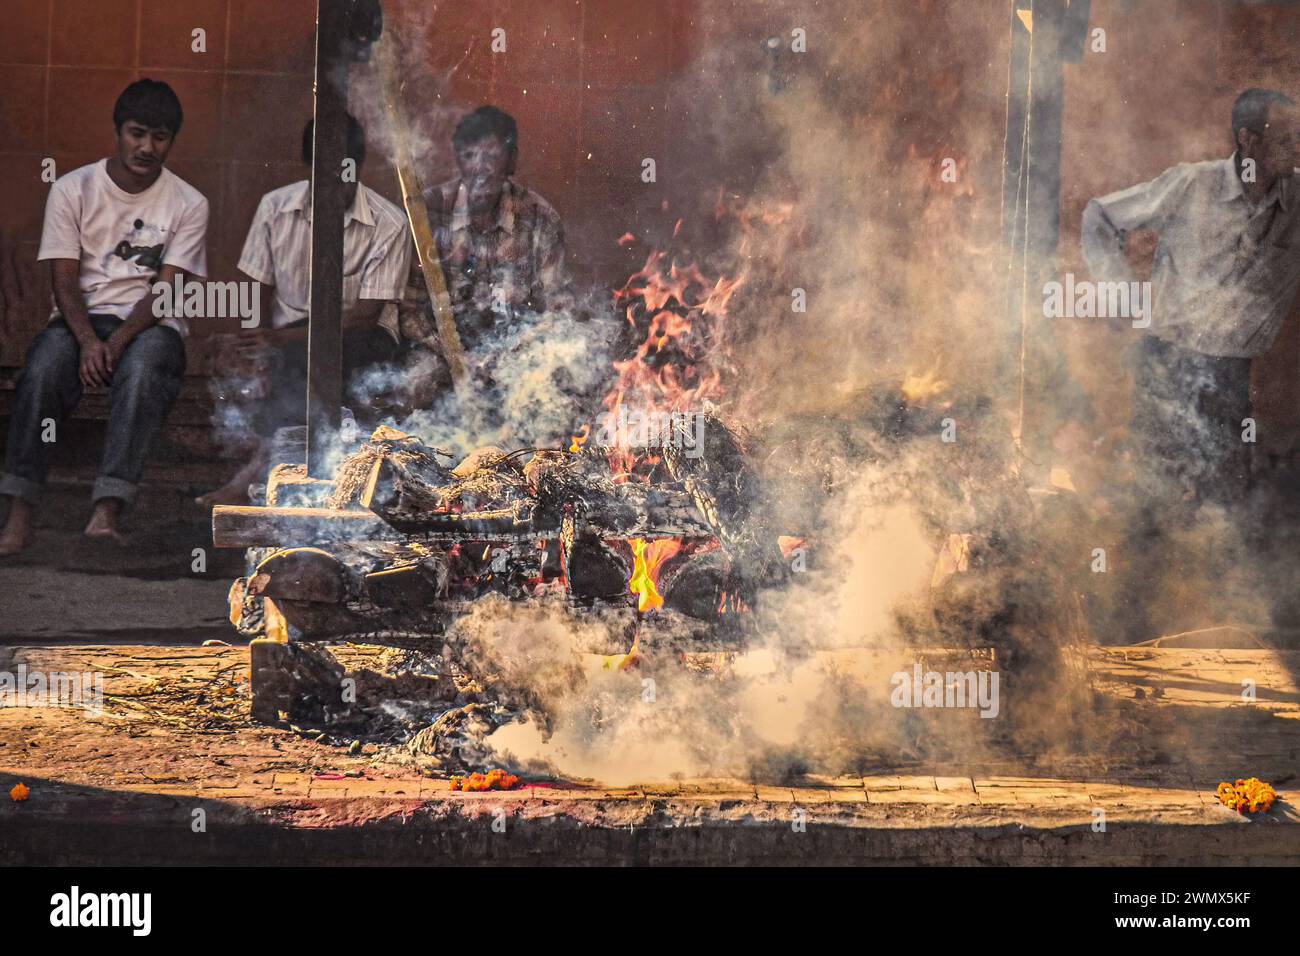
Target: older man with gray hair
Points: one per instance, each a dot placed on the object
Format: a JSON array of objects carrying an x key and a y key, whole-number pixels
[{"x": 1225, "y": 276}]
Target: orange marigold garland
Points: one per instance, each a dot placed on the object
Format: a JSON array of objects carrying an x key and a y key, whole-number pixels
[
  {"x": 1247, "y": 796},
  {"x": 492, "y": 780}
]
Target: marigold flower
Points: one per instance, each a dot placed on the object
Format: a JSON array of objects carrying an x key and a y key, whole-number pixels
[{"x": 1247, "y": 795}]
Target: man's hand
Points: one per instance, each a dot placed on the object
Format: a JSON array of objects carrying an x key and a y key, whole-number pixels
[
  {"x": 254, "y": 340},
  {"x": 1140, "y": 250},
  {"x": 117, "y": 343},
  {"x": 97, "y": 362}
]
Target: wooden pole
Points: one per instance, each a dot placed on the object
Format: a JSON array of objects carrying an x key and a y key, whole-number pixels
[
  {"x": 329, "y": 149},
  {"x": 1045, "y": 34}
]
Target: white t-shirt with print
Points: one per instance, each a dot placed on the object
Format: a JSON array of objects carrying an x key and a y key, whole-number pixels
[{"x": 123, "y": 239}]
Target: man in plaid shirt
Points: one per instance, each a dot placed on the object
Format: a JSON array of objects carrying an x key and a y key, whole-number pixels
[{"x": 501, "y": 244}]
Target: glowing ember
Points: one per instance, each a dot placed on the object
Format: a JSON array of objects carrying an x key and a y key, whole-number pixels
[
  {"x": 733, "y": 601},
  {"x": 648, "y": 562},
  {"x": 790, "y": 545},
  {"x": 917, "y": 388},
  {"x": 492, "y": 780}
]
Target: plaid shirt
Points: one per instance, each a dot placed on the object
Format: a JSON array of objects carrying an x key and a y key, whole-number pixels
[{"x": 516, "y": 265}]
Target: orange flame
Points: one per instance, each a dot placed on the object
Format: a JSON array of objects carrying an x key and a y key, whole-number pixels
[
  {"x": 917, "y": 388},
  {"x": 647, "y": 563},
  {"x": 732, "y": 600},
  {"x": 680, "y": 313},
  {"x": 579, "y": 440}
]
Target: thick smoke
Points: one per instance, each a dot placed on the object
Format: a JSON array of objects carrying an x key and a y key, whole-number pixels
[
  {"x": 533, "y": 384},
  {"x": 820, "y": 172},
  {"x": 805, "y": 177}
]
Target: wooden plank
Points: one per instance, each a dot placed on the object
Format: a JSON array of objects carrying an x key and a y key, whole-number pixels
[{"x": 242, "y": 526}]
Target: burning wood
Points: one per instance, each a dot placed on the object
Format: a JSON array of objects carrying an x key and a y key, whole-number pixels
[{"x": 410, "y": 541}]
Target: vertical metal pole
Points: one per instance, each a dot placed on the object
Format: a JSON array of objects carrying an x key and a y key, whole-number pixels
[{"x": 329, "y": 148}]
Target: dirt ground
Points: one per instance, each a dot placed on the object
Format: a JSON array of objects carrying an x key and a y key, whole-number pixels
[
  {"x": 67, "y": 588},
  {"x": 174, "y": 742}
]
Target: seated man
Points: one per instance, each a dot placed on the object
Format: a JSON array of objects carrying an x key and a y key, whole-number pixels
[
  {"x": 375, "y": 265},
  {"x": 112, "y": 229},
  {"x": 501, "y": 245}
]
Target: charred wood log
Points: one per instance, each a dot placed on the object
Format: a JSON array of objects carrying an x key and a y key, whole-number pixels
[
  {"x": 300, "y": 574},
  {"x": 242, "y": 526},
  {"x": 726, "y": 492},
  {"x": 695, "y": 586},
  {"x": 411, "y": 587},
  {"x": 595, "y": 570}
]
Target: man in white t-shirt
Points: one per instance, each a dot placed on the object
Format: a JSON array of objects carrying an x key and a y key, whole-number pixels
[
  {"x": 277, "y": 254},
  {"x": 112, "y": 229}
]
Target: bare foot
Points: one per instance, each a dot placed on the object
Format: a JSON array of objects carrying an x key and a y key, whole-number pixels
[
  {"x": 235, "y": 491},
  {"x": 18, "y": 533},
  {"x": 103, "y": 522},
  {"x": 231, "y": 493}
]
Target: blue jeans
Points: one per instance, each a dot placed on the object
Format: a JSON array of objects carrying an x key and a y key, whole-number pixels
[{"x": 144, "y": 386}]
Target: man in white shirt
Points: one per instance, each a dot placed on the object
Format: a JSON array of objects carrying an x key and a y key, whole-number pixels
[
  {"x": 376, "y": 260},
  {"x": 1225, "y": 273},
  {"x": 112, "y": 229},
  {"x": 1225, "y": 276}
]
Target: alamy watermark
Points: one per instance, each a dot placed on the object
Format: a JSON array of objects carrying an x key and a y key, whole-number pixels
[
  {"x": 33, "y": 688},
  {"x": 1098, "y": 300},
  {"x": 133, "y": 911},
  {"x": 922, "y": 688},
  {"x": 653, "y": 429},
  {"x": 192, "y": 299}
]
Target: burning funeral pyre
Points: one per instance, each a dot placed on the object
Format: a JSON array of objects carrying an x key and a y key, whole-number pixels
[{"x": 657, "y": 536}]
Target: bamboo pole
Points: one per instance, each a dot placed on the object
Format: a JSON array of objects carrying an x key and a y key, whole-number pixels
[{"x": 426, "y": 248}]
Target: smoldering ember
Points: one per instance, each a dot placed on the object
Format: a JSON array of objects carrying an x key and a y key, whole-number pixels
[{"x": 650, "y": 432}]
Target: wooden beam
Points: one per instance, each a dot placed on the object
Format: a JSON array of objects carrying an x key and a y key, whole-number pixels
[
  {"x": 329, "y": 149},
  {"x": 243, "y": 526},
  {"x": 1044, "y": 33},
  {"x": 240, "y": 526}
]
